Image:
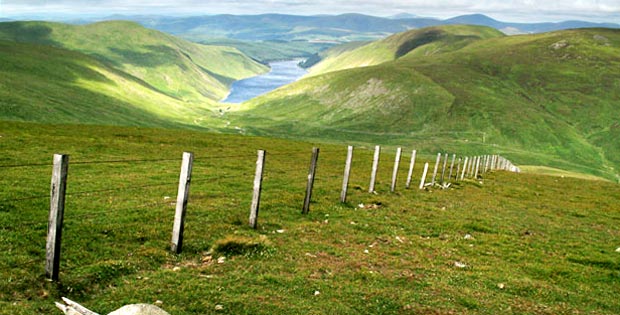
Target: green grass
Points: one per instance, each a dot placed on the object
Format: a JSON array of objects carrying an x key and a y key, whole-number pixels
[
  {"x": 271, "y": 50},
  {"x": 419, "y": 42},
  {"x": 538, "y": 245},
  {"x": 170, "y": 65},
  {"x": 546, "y": 99}
]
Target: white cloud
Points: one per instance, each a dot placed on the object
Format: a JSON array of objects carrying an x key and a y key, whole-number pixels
[{"x": 594, "y": 10}]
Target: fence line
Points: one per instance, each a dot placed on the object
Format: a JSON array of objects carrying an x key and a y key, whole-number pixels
[{"x": 473, "y": 167}]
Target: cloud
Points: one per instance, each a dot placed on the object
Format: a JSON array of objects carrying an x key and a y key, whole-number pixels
[{"x": 518, "y": 9}]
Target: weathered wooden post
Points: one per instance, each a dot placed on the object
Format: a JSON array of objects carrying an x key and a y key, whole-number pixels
[
  {"x": 375, "y": 167},
  {"x": 347, "y": 174},
  {"x": 57, "y": 210},
  {"x": 258, "y": 183},
  {"x": 311, "y": 174},
  {"x": 411, "y": 165},
  {"x": 436, "y": 168},
  {"x": 451, "y": 166},
  {"x": 181, "y": 207},
  {"x": 423, "y": 179},
  {"x": 458, "y": 170},
  {"x": 472, "y": 167},
  {"x": 395, "y": 172},
  {"x": 464, "y": 167},
  {"x": 443, "y": 169}
]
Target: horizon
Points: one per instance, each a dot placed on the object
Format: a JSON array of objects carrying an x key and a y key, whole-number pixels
[{"x": 516, "y": 11}]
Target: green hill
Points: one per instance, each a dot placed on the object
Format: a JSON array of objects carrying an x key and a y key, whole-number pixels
[
  {"x": 52, "y": 85},
  {"x": 180, "y": 69},
  {"x": 547, "y": 99},
  {"x": 419, "y": 42}
]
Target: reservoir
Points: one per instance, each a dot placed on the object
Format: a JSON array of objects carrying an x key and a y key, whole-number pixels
[{"x": 282, "y": 73}]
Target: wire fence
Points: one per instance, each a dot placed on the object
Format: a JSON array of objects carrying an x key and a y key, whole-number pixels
[{"x": 100, "y": 194}]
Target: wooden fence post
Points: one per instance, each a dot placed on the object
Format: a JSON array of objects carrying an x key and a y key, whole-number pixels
[
  {"x": 258, "y": 183},
  {"x": 395, "y": 172},
  {"x": 309, "y": 186},
  {"x": 411, "y": 165},
  {"x": 423, "y": 180},
  {"x": 182, "y": 198},
  {"x": 487, "y": 164},
  {"x": 477, "y": 167},
  {"x": 464, "y": 167},
  {"x": 458, "y": 170},
  {"x": 57, "y": 210},
  {"x": 443, "y": 169},
  {"x": 347, "y": 174},
  {"x": 451, "y": 167},
  {"x": 436, "y": 168},
  {"x": 375, "y": 166}
]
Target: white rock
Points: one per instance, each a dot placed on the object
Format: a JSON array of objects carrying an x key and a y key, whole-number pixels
[
  {"x": 317, "y": 292},
  {"x": 467, "y": 236},
  {"x": 280, "y": 231},
  {"x": 139, "y": 309},
  {"x": 366, "y": 251},
  {"x": 618, "y": 250},
  {"x": 501, "y": 285},
  {"x": 459, "y": 264},
  {"x": 177, "y": 268},
  {"x": 219, "y": 307},
  {"x": 221, "y": 260}
]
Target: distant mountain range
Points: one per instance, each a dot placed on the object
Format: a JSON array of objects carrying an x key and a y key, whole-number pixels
[{"x": 338, "y": 28}]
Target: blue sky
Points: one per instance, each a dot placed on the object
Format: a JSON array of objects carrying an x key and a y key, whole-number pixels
[{"x": 507, "y": 10}]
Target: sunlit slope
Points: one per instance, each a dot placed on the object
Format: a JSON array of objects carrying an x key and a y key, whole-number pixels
[
  {"x": 419, "y": 42},
  {"x": 50, "y": 85},
  {"x": 549, "y": 99},
  {"x": 178, "y": 68}
]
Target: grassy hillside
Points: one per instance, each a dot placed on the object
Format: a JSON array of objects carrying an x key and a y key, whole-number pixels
[
  {"x": 180, "y": 69},
  {"x": 547, "y": 99},
  {"x": 271, "y": 50},
  {"x": 52, "y": 85},
  {"x": 427, "y": 41},
  {"x": 520, "y": 244}
]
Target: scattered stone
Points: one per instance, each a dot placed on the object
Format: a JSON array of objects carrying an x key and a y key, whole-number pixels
[
  {"x": 310, "y": 255},
  {"x": 159, "y": 302},
  {"x": 219, "y": 307},
  {"x": 459, "y": 264},
  {"x": 221, "y": 260},
  {"x": 618, "y": 250},
  {"x": 399, "y": 239},
  {"x": 280, "y": 231},
  {"x": 559, "y": 45},
  {"x": 366, "y": 251},
  {"x": 361, "y": 205},
  {"x": 177, "y": 268},
  {"x": 468, "y": 236},
  {"x": 326, "y": 221},
  {"x": 317, "y": 292},
  {"x": 166, "y": 197},
  {"x": 501, "y": 286},
  {"x": 352, "y": 223},
  {"x": 72, "y": 308}
]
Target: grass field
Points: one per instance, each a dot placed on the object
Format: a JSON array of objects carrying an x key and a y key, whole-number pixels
[
  {"x": 546, "y": 99},
  {"x": 507, "y": 243}
]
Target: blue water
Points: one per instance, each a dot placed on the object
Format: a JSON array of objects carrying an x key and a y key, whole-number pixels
[{"x": 282, "y": 73}]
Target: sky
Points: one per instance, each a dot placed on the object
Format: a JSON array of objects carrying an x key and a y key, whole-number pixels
[{"x": 505, "y": 10}]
